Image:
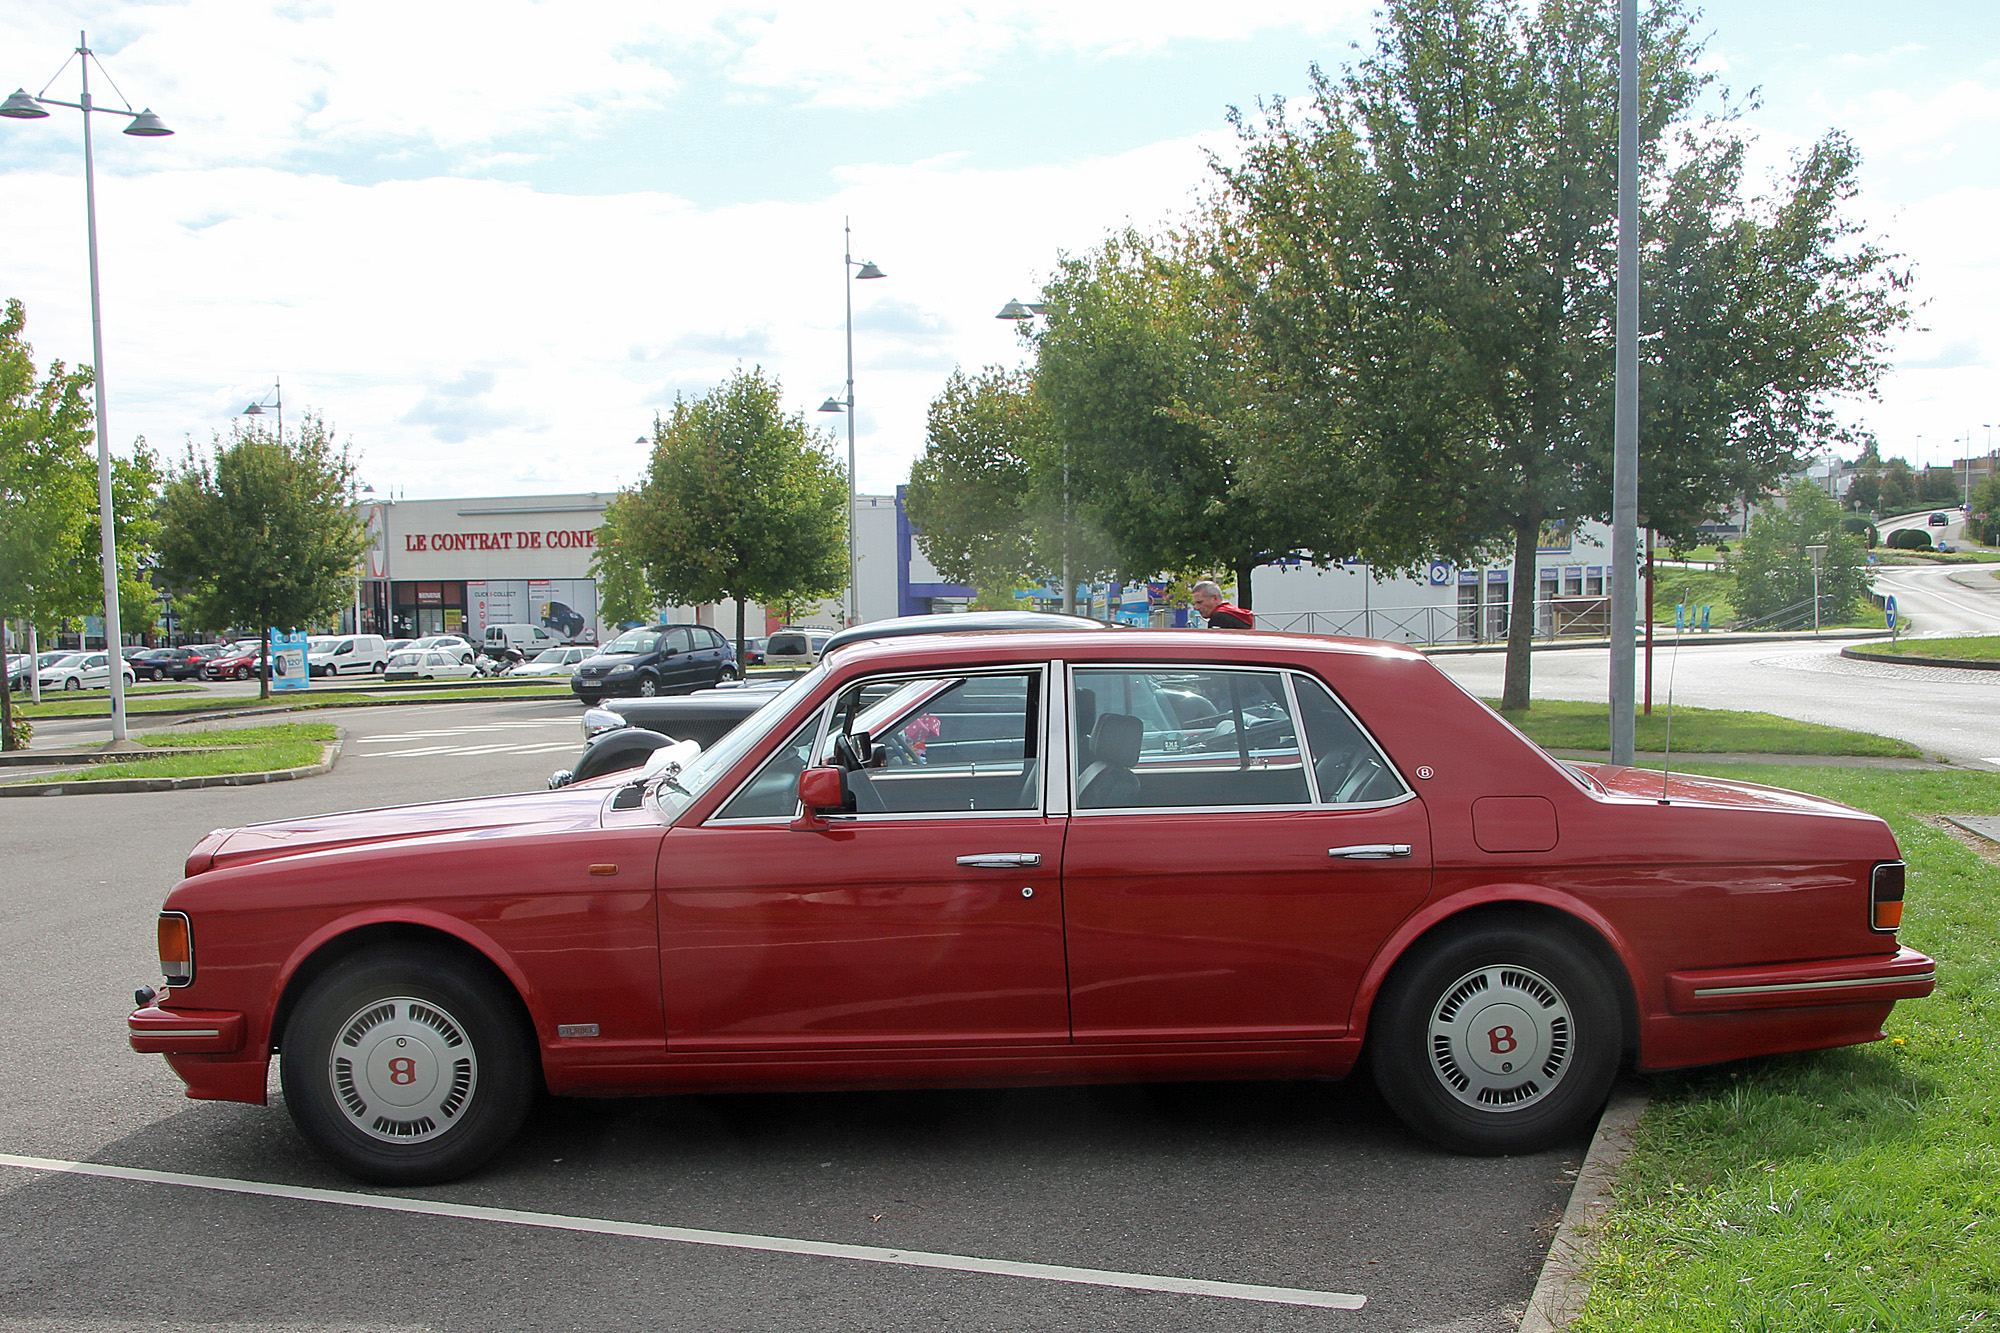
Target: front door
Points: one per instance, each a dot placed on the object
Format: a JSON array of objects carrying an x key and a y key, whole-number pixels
[{"x": 929, "y": 916}]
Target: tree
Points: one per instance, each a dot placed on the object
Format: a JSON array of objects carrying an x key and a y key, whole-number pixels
[
  {"x": 740, "y": 501},
  {"x": 622, "y": 594},
  {"x": 45, "y": 484},
  {"x": 1428, "y": 267},
  {"x": 1774, "y": 570},
  {"x": 262, "y": 531},
  {"x": 1141, "y": 370},
  {"x": 1865, "y": 495}
]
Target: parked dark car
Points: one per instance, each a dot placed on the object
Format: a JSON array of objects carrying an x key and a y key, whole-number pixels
[
  {"x": 167, "y": 663},
  {"x": 657, "y": 659},
  {"x": 1940, "y": 519},
  {"x": 621, "y": 733}
]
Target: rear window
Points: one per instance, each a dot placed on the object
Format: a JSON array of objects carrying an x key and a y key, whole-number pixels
[{"x": 787, "y": 645}]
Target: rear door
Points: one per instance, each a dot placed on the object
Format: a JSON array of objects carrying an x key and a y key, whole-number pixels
[{"x": 1221, "y": 880}]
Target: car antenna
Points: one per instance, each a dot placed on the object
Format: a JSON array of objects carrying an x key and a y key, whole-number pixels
[{"x": 1667, "y": 759}]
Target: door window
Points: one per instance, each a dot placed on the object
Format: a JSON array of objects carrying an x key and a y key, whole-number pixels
[
  {"x": 939, "y": 744},
  {"x": 1184, "y": 738},
  {"x": 676, "y": 641},
  {"x": 1347, "y": 767}
]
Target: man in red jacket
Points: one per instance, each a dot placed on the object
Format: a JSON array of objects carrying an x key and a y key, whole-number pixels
[{"x": 1207, "y": 599}]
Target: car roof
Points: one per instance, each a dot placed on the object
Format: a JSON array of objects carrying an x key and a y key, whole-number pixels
[{"x": 1137, "y": 645}]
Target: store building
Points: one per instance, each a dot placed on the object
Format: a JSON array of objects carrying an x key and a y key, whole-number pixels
[{"x": 457, "y": 566}]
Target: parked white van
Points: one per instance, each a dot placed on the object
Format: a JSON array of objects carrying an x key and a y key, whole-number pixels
[
  {"x": 530, "y": 639},
  {"x": 345, "y": 655}
]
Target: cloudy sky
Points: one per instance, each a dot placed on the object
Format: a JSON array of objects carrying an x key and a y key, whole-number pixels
[{"x": 488, "y": 241}]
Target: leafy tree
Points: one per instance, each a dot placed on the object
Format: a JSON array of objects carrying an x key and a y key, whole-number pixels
[
  {"x": 971, "y": 495},
  {"x": 1428, "y": 267},
  {"x": 1142, "y": 369},
  {"x": 740, "y": 501},
  {"x": 1774, "y": 570},
  {"x": 1898, "y": 488},
  {"x": 263, "y": 531},
  {"x": 622, "y": 594},
  {"x": 1865, "y": 494},
  {"x": 47, "y": 487}
]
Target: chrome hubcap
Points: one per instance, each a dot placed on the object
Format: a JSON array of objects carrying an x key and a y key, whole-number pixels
[
  {"x": 1501, "y": 1038},
  {"x": 402, "y": 1070}
]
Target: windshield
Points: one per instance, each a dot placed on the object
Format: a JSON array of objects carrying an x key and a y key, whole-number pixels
[
  {"x": 74, "y": 659},
  {"x": 631, "y": 641},
  {"x": 322, "y": 645},
  {"x": 553, "y": 655},
  {"x": 698, "y": 776}
]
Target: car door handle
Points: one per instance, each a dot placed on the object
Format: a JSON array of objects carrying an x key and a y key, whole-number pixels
[
  {"x": 1001, "y": 860},
  {"x": 1370, "y": 851}
]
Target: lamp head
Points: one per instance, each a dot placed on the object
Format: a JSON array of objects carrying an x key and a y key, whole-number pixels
[
  {"x": 254, "y": 410},
  {"x": 1020, "y": 310},
  {"x": 833, "y": 405},
  {"x": 869, "y": 270},
  {"x": 22, "y": 107},
  {"x": 146, "y": 125}
]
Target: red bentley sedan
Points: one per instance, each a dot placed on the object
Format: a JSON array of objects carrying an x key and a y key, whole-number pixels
[{"x": 992, "y": 859}]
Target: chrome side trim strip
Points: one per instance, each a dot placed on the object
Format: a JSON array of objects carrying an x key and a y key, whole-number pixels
[
  {"x": 1775, "y": 987},
  {"x": 177, "y": 1032}
]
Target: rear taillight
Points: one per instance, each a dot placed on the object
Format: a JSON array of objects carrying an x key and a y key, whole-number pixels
[
  {"x": 176, "y": 948},
  {"x": 1885, "y": 897}
]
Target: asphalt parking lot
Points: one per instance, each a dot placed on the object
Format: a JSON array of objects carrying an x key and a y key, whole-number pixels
[{"x": 1008, "y": 1209}]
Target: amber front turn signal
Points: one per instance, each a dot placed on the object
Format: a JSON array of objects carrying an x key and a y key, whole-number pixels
[{"x": 176, "y": 948}]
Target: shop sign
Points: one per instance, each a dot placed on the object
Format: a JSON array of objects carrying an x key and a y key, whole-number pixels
[{"x": 553, "y": 539}]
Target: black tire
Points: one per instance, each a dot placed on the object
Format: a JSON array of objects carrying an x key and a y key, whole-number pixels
[
  {"x": 1550, "y": 1019},
  {"x": 472, "y": 1066},
  {"x": 729, "y": 672},
  {"x": 73, "y": 683},
  {"x": 648, "y": 687},
  {"x": 243, "y": 673}
]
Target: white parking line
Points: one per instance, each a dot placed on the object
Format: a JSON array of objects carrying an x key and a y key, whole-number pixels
[{"x": 733, "y": 1240}]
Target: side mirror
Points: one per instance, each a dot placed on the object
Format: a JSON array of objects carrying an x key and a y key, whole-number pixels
[{"x": 819, "y": 789}]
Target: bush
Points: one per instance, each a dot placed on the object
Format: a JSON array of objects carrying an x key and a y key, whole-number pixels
[
  {"x": 1909, "y": 539},
  {"x": 1861, "y": 527},
  {"x": 21, "y": 729}
]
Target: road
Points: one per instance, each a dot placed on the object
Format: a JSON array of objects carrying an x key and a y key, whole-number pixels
[
  {"x": 1303, "y": 1185},
  {"x": 1944, "y": 711}
]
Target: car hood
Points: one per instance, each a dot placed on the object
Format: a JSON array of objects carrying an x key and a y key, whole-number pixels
[{"x": 576, "y": 807}]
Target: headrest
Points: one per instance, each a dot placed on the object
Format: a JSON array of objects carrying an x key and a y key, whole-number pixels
[
  {"x": 1115, "y": 739},
  {"x": 1086, "y": 712}
]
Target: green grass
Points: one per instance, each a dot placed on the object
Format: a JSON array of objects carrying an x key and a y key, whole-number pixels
[
  {"x": 250, "y": 750},
  {"x": 1849, "y": 1189},
  {"x": 319, "y": 733},
  {"x": 1981, "y": 648},
  {"x": 1698, "y": 587},
  {"x": 1557, "y": 724}
]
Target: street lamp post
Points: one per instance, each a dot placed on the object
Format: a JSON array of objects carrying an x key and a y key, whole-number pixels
[
  {"x": 1020, "y": 310},
  {"x": 276, "y": 404},
  {"x": 866, "y": 270},
  {"x": 145, "y": 125}
]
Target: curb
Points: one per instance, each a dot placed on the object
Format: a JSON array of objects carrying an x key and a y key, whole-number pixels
[
  {"x": 1562, "y": 1288},
  {"x": 1908, "y": 659},
  {"x": 328, "y": 756}
]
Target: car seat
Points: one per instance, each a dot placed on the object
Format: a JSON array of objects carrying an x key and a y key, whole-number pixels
[{"x": 1109, "y": 782}]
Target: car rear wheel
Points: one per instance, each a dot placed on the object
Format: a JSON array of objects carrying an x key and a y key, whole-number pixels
[
  {"x": 729, "y": 672},
  {"x": 1499, "y": 1038},
  {"x": 406, "y": 1066}
]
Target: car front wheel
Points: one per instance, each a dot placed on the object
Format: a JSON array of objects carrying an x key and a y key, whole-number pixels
[
  {"x": 406, "y": 1066},
  {"x": 72, "y": 684},
  {"x": 1499, "y": 1038},
  {"x": 648, "y": 687},
  {"x": 242, "y": 673}
]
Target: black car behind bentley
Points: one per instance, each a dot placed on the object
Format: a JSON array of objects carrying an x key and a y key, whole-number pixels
[{"x": 654, "y": 660}]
